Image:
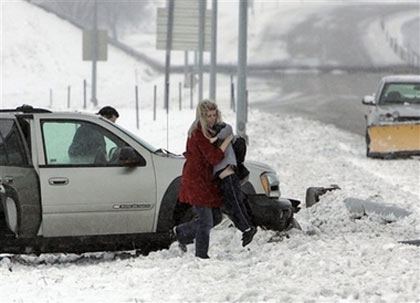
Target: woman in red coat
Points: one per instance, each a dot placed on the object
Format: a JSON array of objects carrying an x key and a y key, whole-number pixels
[{"x": 198, "y": 185}]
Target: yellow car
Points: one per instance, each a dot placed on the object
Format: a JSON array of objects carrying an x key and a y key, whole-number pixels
[{"x": 393, "y": 121}]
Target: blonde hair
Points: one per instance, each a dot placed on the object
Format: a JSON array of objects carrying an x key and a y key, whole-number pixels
[{"x": 200, "y": 117}]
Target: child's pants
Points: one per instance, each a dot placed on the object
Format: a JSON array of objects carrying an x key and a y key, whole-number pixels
[{"x": 233, "y": 198}]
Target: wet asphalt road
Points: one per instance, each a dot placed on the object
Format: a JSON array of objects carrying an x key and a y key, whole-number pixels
[{"x": 332, "y": 97}]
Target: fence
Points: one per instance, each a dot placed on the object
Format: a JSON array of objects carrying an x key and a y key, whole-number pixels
[{"x": 405, "y": 53}]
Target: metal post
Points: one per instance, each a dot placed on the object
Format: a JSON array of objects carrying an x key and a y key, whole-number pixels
[
  {"x": 154, "y": 103},
  {"x": 68, "y": 96},
  {"x": 167, "y": 118},
  {"x": 246, "y": 106},
  {"x": 191, "y": 90},
  {"x": 137, "y": 107},
  {"x": 213, "y": 54},
  {"x": 94, "y": 52},
  {"x": 84, "y": 93},
  {"x": 185, "y": 67},
  {"x": 170, "y": 4},
  {"x": 232, "y": 94},
  {"x": 201, "y": 48},
  {"x": 242, "y": 61},
  {"x": 195, "y": 62}
]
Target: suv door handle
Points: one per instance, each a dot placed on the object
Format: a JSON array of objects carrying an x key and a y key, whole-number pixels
[{"x": 58, "y": 181}]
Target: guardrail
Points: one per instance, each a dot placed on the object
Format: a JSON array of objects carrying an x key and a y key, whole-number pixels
[{"x": 405, "y": 53}]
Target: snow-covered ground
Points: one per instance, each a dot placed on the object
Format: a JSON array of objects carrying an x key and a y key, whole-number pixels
[{"x": 335, "y": 258}]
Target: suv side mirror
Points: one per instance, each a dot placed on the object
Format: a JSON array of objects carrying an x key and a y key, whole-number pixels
[
  {"x": 368, "y": 100},
  {"x": 130, "y": 157}
]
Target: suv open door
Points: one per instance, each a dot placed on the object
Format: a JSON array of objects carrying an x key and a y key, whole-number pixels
[{"x": 92, "y": 195}]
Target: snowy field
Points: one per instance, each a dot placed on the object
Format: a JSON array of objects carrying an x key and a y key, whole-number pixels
[{"x": 335, "y": 258}]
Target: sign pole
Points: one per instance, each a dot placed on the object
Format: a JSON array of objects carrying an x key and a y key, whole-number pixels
[
  {"x": 201, "y": 48},
  {"x": 213, "y": 54},
  {"x": 185, "y": 66},
  {"x": 242, "y": 62},
  {"x": 168, "y": 63},
  {"x": 168, "y": 50},
  {"x": 94, "y": 52}
]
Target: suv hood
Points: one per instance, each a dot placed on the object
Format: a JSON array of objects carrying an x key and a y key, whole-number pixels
[
  {"x": 411, "y": 110},
  {"x": 258, "y": 166}
]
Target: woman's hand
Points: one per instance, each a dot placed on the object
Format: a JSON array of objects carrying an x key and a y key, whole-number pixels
[
  {"x": 226, "y": 142},
  {"x": 214, "y": 139},
  {"x": 229, "y": 138}
]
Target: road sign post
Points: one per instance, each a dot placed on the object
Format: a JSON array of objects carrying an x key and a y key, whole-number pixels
[
  {"x": 94, "y": 49},
  {"x": 242, "y": 61},
  {"x": 213, "y": 52},
  {"x": 201, "y": 39}
]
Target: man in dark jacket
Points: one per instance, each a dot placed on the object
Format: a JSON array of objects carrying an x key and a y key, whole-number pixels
[
  {"x": 109, "y": 112},
  {"x": 88, "y": 144}
]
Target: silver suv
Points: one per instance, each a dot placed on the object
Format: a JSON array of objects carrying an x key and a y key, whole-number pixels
[{"x": 122, "y": 196}]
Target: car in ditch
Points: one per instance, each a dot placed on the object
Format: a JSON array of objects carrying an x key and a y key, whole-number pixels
[
  {"x": 53, "y": 201},
  {"x": 393, "y": 121}
]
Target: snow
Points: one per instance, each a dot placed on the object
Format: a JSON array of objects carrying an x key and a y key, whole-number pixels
[
  {"x": 335, "y": 258},
  {"x": 396, "y": 22},
  {"x": 376, "y": 36},
  {"x": 50, "y": 64}
]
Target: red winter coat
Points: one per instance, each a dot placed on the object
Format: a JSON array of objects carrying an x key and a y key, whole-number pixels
[{"x": 198, "y": 185}]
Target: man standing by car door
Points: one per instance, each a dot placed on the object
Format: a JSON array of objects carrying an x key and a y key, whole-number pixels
[{"x": 88, "y": 142}]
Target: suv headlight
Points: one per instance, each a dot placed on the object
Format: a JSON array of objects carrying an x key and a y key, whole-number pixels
[
  {"x": 387, "y": 117},
  {"x": 270, "y": 184}
]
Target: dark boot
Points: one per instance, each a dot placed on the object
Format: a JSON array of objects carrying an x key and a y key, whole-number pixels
[
  {"x": 247, "y": 236},
  {"x": 174, "y": 237}
]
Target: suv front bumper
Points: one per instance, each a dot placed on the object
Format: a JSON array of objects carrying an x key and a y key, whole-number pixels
[{"x": 273, "y": 213}]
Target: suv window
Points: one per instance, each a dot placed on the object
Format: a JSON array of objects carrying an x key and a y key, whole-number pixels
[
  {"x": 74, "y": 142},
  {"x": 400, "y": 93},
  {"x": 11, "y": 147}
]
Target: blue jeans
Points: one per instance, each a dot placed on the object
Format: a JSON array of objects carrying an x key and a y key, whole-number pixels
[{"x": 199, "y": 229}]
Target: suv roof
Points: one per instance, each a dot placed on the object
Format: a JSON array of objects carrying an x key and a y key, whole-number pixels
[
  {"x": 401, "y": 78},
  {"x": 27, "y": 109}
]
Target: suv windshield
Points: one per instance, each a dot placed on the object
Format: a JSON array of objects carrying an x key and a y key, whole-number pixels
[
  {"x": 400, "y": 93},
  {"x": 148, "y": 146}
]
